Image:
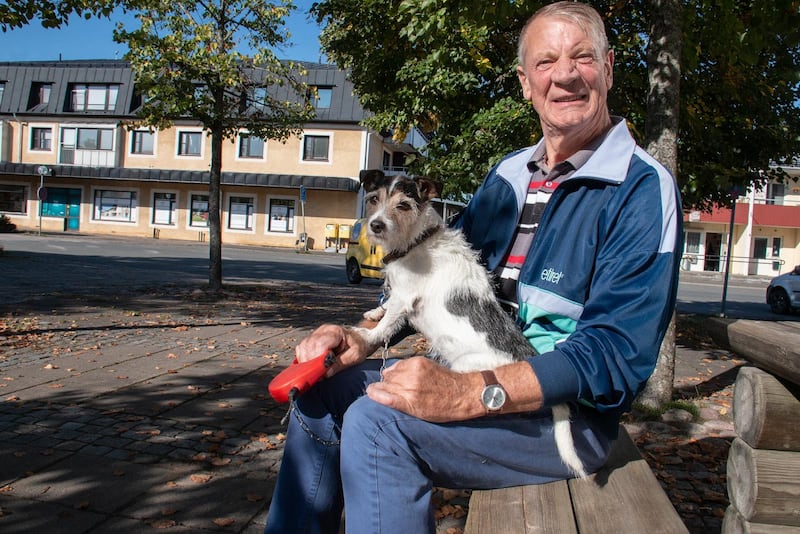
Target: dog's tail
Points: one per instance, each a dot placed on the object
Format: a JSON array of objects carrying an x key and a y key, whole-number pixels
[{"x": 564, "y": 442}]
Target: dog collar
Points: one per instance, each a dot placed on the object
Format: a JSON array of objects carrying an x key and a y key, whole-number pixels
[{"x": 421, "y": 238}]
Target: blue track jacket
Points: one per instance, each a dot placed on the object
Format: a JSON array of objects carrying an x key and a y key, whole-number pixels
[{"x": 598, "y": 287}]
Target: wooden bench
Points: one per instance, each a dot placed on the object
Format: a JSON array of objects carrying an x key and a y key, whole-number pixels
[{"x": 624, "y": 496}]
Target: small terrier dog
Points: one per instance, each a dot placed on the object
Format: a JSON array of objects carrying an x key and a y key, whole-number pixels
[{"x": 436, "y": 283}]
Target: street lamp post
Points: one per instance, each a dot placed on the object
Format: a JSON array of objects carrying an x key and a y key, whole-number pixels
[
  {"x": 42, "y": 192},
  {"x": 735, "y": 192}
]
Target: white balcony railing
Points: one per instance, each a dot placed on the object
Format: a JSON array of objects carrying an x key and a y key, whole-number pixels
[{"x": 71, "y": 155}]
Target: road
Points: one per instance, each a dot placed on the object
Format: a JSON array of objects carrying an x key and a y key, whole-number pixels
[{"x": 118, "y": 263}]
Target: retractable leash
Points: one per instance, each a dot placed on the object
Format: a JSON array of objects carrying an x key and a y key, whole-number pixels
[
  {"x": 296, "y": 380},
  {"x": 299, "y": 378}
]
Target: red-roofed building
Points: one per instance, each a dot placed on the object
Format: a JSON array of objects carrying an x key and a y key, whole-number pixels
[{"x": 766, "y": 232}]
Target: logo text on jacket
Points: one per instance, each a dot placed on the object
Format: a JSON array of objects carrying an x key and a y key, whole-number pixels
[{"x": 550, "y": 275}]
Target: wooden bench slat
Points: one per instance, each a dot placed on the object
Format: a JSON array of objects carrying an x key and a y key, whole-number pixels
[
  {"x": 624, "y": 496},
  {"x": 544, "y": 509}
]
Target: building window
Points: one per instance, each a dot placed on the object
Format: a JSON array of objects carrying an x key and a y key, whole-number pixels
[
  {"x": 240, "y": 213},
  {"x": 164, "y": 208},
  {"x": 251, "y": 147},
  {"x": 199, "y": 211},
  {"x": 259, "y": 98},
  {"x": 190, "y": 143},
  {"x": 40, "y": 94},
  {"x": 41, "y": 139},
  {"x": 315, "y": 147},
  {"x": 117, "y": 206},
  {"x": 142, "y": 142},
  {"x": 12, "y": 199},
  {"x": 322, "y": 99},
  {"x": 94, "y": 97},
  {"x": 88, "y": 138},
  {"x": 776, "y": 194},
  {"x": 776, "y": 247},
  {"x": 693, "y": 242},
  {"x": 281, "y": 215},
  {"x": 2, "y": 90},
  {"x": 760, "y": 248}
]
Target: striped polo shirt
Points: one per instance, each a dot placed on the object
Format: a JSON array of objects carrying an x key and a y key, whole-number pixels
[{"x": 543, "y": 183}]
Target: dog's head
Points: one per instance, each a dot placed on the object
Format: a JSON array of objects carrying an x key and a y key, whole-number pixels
[{"x": 398, "y": 207}]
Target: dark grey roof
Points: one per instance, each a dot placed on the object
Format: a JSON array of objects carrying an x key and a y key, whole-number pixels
[
  {"x": 330, "y": 183},
  {"x": 20, "y": 78}
]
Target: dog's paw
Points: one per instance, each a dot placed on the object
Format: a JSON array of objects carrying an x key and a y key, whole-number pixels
[
  {"x": 375, "y": 314},
  {"x": 364, "y": 333}
]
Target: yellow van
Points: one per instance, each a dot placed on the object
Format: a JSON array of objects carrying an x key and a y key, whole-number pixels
[{"x": 364, "y": 260}]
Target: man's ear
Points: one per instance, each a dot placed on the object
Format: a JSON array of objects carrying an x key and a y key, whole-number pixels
[{"x": 428, "y": 189}]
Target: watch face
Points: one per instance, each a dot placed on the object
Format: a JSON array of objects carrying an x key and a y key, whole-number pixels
[{"x": 493, "y": 397}]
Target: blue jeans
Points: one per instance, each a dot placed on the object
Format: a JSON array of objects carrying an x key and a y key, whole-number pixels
[{"x": 344, "y": 450}]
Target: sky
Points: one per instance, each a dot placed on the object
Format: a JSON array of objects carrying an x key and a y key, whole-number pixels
[{"x": 92, "y": 39}]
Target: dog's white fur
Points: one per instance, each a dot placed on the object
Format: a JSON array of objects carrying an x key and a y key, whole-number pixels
[{"x": 440, "y": 288}]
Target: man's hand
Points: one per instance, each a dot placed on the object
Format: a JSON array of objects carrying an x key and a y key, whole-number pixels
[
  {"x": 425, "y": 389},
  {"x": 348, "y": 347}
]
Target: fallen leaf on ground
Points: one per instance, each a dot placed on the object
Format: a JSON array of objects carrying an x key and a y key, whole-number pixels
[
  {"x": 200, "y": 478},
  {"x": 224, "y": 521}
]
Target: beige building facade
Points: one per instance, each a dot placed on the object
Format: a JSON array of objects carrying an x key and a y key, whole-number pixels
[{"x": 70, "y": 162}]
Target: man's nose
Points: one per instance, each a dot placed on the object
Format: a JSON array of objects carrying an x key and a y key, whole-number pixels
[{"x": 564, "y": 69}]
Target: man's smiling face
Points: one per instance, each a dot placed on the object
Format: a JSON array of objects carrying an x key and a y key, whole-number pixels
[{"x": 565, "y": 77}]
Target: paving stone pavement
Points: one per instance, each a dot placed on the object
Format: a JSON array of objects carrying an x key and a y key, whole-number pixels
[{"x": 148, "y": 410}]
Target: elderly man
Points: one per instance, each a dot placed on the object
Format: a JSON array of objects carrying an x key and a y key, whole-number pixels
[{"x": 583, "y": 232}]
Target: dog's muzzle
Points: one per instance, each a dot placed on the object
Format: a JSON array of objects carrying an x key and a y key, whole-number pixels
[{"x": 377, "y": 226}]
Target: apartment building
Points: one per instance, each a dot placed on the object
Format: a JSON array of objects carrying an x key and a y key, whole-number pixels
[
  {"x": 764, "y": 235},
  {"x": 70, "y": 162}
]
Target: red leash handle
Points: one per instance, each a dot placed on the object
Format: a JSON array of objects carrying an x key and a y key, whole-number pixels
[{"x": 299, "y": 377}]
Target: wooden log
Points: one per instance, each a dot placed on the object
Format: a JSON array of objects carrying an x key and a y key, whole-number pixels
[
  {"x": 766, "y": 411},
  {"x": 764, "y": 485},
  {"x": 764, "y": 343},
  {"x": 734, "y": 523}
]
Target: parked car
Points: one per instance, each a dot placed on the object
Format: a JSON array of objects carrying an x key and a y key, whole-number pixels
[
  {"x": 363, "y": 260},
  {"x": 783, "y": 292}
]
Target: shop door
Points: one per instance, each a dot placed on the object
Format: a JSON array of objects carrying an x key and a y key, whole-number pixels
[
  {"x": 66, "y": 203},
  {"x": 713, "y": 251}
]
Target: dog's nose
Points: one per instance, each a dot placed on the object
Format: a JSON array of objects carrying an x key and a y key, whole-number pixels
[{"x": 377, "y": 226}]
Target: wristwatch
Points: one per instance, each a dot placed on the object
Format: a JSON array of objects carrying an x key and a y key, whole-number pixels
[{"x": 493, "y": 395}]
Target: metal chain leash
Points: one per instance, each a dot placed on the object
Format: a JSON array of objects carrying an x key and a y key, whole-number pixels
[{"x": 309, "y": 432}]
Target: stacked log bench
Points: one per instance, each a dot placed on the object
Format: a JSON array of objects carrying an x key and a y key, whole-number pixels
[
  {"x": 764, "y": 460},
  {"x": 624, "y": 496}
]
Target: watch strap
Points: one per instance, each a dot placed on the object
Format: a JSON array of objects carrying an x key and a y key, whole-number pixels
[{"x": 489, "y": 378}]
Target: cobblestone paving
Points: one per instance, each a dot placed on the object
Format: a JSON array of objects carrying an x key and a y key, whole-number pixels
[{"x": 149, "y": 410}]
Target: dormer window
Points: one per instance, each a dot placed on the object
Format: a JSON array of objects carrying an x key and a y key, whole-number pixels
[
  {"x": 322, "y": 98},
  {"x": 93, "y": 97},
  {"x": 40, "y": 95}
]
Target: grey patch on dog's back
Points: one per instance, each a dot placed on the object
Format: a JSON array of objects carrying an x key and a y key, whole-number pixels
[{"x": 486, "y": 315}]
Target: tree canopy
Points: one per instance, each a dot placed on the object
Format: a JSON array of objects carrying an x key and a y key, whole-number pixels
[
  {"x": 212, "y": 62},
  {"x": 447, "y": 67}
]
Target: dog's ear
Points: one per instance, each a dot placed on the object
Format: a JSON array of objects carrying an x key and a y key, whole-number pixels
[
  {"x": 371, "y": 178},
  {"x": 428, "y": 189}
]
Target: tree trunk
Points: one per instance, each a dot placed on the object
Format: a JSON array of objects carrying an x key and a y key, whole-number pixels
[
  {"x": 214, "y": 219},
  {"x": 661, "y": 133}
]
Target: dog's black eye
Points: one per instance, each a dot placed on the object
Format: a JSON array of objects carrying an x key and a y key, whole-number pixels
[
  {"x": 372, "y": 200},
  {"x": 404, "y": 206}
]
